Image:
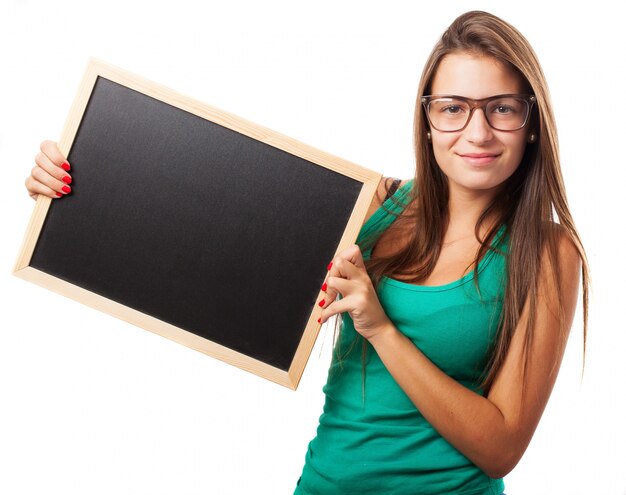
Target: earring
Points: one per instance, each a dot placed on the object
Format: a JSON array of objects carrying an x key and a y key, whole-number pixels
[
  {"x": 532, "y": 138},
  {"x": 428, "y": 136}
]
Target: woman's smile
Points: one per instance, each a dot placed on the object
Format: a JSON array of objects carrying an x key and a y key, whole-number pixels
[{"x": 479, "y": 158}]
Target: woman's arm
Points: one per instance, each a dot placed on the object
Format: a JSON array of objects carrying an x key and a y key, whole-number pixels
[{"x": 493, "y": 431}]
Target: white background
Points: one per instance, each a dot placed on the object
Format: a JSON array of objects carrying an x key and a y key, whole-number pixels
[{"x": 90, "y": 404}]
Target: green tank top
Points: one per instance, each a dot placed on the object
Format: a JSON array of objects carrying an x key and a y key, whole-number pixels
[{"x": 371, "y": 438}]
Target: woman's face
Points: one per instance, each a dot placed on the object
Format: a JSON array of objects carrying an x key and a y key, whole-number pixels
[{"x": 477, "y": 158}]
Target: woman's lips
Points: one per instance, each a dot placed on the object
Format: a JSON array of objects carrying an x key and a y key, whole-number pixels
[{"x": 479, "y": 158}]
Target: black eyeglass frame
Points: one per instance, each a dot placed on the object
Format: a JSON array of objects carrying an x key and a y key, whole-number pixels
[{"x": 530, "y": 100}]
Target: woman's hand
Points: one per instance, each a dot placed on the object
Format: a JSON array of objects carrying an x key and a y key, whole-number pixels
[
  {"x": 348, "y": 277},
  {"x": 50, "y": 175}
]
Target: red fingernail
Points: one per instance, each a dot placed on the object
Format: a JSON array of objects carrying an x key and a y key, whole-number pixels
[
  {"x": 321, "y": 303},
  {"x": 59, "y": 194},
  {"x": 65, "y": 166},
  {"x": 66, "y": 189},
  {"x": 319, "y": 320},
  {"x": 324, "y": 287},
  {"x": 330, "y": 265},
  {"x": 67, "y": 179}
]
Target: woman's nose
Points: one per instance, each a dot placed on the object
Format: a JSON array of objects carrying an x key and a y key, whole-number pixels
[{"x": 478, "y": 129}]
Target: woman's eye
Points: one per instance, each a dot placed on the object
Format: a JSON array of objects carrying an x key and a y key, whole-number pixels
[
  {"x": 453, "y": 109},
  {"x": 503, "y": 109}
]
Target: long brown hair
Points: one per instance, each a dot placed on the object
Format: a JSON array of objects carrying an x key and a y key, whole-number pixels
[{"x": 525, "y": 206}]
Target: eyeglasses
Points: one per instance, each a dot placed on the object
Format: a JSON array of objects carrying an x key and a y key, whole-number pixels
[{"x": 449, "y": 113}]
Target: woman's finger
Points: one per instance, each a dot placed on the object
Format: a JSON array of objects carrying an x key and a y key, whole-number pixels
[
  {"x": 51, "y": 176},
  {"x": 45, "y": 163},
  {"x": 36, "y": 188},
  {"x": 52, "y": 151},
  {"x": 332, "y": 287},
  {"x": 59, "y": 186},
  {"x": 345, "y": 268},
  {"x": 337, "y": 285},
  {"x": 342, "y": 266},
  {"x": 335, "y": 308},
  {"x": 353, "y": 255}
]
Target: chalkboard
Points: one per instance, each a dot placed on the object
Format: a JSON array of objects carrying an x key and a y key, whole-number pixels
[{"x": 195, "y": 224}]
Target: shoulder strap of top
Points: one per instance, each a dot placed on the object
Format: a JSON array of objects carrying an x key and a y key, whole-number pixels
[
  {"x": 392, "y": 188},
  {"x": 384, "y": 216}
]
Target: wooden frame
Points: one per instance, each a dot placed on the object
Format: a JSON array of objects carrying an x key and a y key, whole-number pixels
[{"x": 23, "y": 269}]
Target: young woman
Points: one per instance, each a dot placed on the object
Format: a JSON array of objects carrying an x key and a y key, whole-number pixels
[{"x": 458, "y": 297}]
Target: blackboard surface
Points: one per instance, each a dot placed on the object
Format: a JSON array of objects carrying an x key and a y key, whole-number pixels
[{"x": 195, "y": 224}]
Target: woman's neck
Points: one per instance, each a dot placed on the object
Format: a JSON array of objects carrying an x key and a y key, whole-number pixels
[{"x": 465, "y": 207}]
